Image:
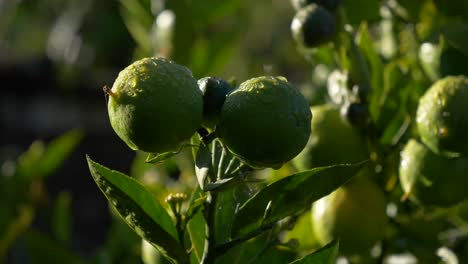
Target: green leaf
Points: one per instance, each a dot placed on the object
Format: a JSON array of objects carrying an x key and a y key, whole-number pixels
[
  {"x": 361, "y": 10},
  {"x": 325, "y": 255},
  {"x": 359, "y": 72},
  {"x": 42, "y": 249},
  {"x": 30, "y": 160},
  {"x": 138, "y": 21},
  {"x": 457, "y": 36},
  {"x": 196, "y": 224},
  {"x": 366, "y": 45},
  {"x": 196, "y": 229},
  {"x": 203, "y": 165},
  {"x": 62, "y": 218},
  {"x": 15, "y": 227},
  {"x": 260, "y": 249},
  {"x": 195, "y": 207},
  {"x": 290, "y": 196},
  {"x": 226, "y": 204},
  {"x": 156, "y": 158},
  {"x": 57, "y": 151},
  {"x": 389, "y": 101},
  {"x": 140, "y": 210},
  {"x": 41, "y": 161}
]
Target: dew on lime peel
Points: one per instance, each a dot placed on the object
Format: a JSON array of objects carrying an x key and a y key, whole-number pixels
[
  {"x": 432, "y": 179},
  {"x": 442, "y": 118},
  {"x": 264, "y": 110},
  {"x": 142, "y": 101}
]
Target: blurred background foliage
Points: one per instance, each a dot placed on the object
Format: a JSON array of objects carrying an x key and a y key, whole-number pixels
[{"x": 55, "y": 57}]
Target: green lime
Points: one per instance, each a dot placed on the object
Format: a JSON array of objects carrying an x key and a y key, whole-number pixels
[
  {"x": 313, "y": 26},
  {"x": 155, "y": 105},
  {"x": 331, "y": 5},
  {"x": 432, "y": 179},
  {"x": 265, "y": 122},
  {"x": 442, "y": 116},
  {"x": 333, "y": 141},
  {"x": 442, "y": 59},
  {"x": 355, "y": 214},
  {"x": 214, "y": 92}
]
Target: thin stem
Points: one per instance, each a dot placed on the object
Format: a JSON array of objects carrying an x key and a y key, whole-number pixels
[
  {"x": 220, "y": 164},
  {"x": 213, "y": 157},
  {"x": 209, "y": 252},
  {"x": 229, "y": 166},
  {"x": 180, "y": 230}
]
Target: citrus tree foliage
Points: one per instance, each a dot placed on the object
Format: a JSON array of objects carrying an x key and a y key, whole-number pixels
[{"x": 366, "y": 160}]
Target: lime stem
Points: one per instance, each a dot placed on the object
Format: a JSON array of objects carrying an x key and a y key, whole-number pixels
[{"x": 109, "y": 92}]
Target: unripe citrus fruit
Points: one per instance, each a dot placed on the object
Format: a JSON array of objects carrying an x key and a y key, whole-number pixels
[
  {"x": 356, "y": 114},
  {"x": 331, "y": 5},
  {"x": 214, "y": 92},
  {"x": 333, "y": 141},
  {"x": 432, "y": 179},
  {"x": 442, "y": 116},
  {"x": 313, "y": 26},
  {"x": 442, "y": 59},
  {"x": 265, "y": 122},
  {"x": 155, "y": 105},
  {"x": 303, "y": 232},
  {"x": 354, "y": 213}
]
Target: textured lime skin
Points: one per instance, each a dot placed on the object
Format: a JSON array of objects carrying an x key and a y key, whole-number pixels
[
  {"x": 313, "y": 26},
  {"x": 155, "y": 105},
  {"x": 432, "y": 179},
  {"x": 442, "y": 116},
  {"x": 214, "y": 92},
  {"x": 333, "y": 141},
  {"x": 354, "y": 213},
  {"x": 265, "y": 122}
]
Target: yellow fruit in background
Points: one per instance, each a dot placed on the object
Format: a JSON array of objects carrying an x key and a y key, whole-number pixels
[
  {"x": 333, "y": 141},
  {"x": 442, "y": 116},
  {"x": 354, "y": 213},
  {"x": 432, "y": 179},
  {"x": 155, "y": 105},
  {"x": 265, "y": 122},
  {"x": 303, "y": 232}
]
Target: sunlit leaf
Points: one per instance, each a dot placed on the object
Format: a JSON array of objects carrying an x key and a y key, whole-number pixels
[
  {"x": 140, "y": 210},
  {"x": 290, "y": 196}
]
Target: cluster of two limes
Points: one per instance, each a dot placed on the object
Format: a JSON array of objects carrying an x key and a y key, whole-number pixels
[
  {"x": 434, "y": 170},
  {"x": 155, "y": 105}
]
